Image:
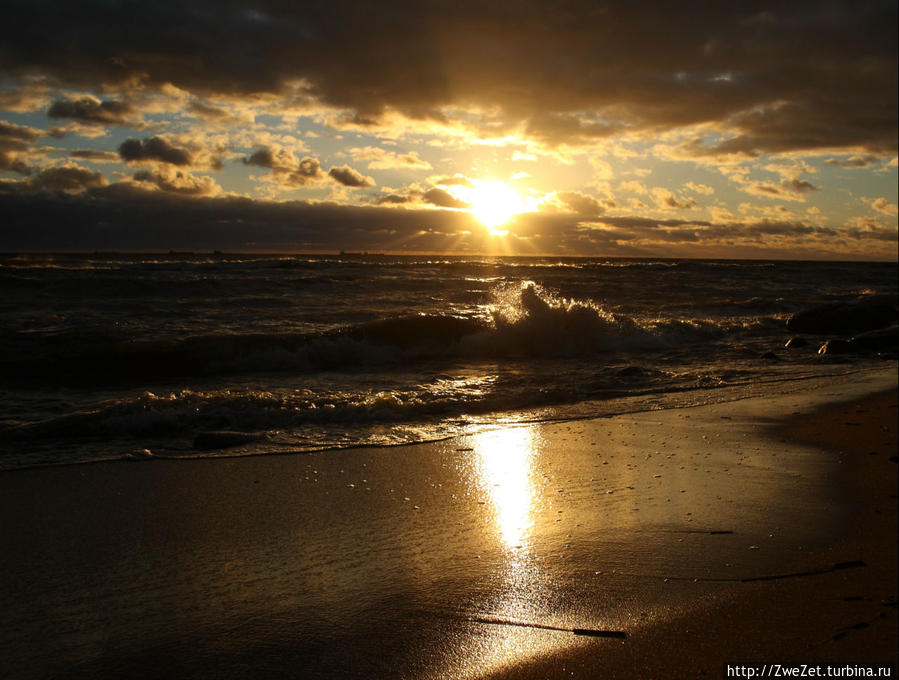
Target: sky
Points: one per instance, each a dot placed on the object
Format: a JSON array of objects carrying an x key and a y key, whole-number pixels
[{"x": 688, "y": 129}]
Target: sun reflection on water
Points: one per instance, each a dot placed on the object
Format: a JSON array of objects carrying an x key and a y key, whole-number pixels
[{"x": 504, "y": 462}]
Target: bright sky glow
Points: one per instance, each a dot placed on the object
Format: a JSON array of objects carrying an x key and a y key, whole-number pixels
[{"x": 494, "y": 203}]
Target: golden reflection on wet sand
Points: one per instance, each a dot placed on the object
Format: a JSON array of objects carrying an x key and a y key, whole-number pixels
[
  {"x": 504, "y": 459},
  {"x": 504, "y": 466}
]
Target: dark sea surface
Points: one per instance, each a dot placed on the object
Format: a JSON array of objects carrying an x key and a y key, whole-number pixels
[{"x": 140, "y": 356}]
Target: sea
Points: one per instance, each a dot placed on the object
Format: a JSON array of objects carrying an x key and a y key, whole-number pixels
[{"x": 135, "y": 357}]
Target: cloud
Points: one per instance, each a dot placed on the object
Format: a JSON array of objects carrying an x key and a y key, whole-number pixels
[
  {"x": 217, "y": 115},
  {"x": 601, "y": 169},
  {"x": 553, "y": 129},
  {"x": 414, "y": 195},
  {"x": 349, "y": 177},
  {"x": 90, "y": 110},
  {"x": 15, "y": 144},
  {"x": 95, "y": 156},
  {"x": 704, "y": 189},
  {"x": 156, "y": 149},
  {"x": 14, "y": 136},
  {"x": 13, "y": 162},
  {"x": 791, "y": 188},
  {"x": 381, "y": 159},
  {"x": 30, "y": 95},
  {"x": 575, "y": 81},
  {"x": 853, "y": 161},
  {"x": 667, "y": 200},
  {"x": 273, "y": 158},
  {"x": 579, "y": 203},
  {"x": 443, "y": 199},
  {"x": 810, "y": 76},
  {"x": 451, "y": 181},
  {"x": 77, "y": 129},
  {"x": 287, "y": 171},
  {"x": 128, "y": 217},
  {"x": 177, "y": 182},
  {"x": 882, "y": 205},
  {"x": 69, "y": 178},
  {"x": 634, "y": 186}
]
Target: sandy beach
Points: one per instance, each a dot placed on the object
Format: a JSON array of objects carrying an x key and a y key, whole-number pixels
[{"x": 650, "y": 545}]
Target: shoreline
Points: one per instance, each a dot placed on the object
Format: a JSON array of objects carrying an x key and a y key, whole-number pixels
[
  {"x": 423, "y": 560},
  {"x": 844, "y": 614},
  {"x": 622, "y": 406}
]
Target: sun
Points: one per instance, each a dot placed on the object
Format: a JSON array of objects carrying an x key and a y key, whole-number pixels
[{"x": 494, "y": 203}]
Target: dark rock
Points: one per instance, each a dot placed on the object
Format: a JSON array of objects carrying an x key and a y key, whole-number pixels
[
  {"x": 223, "y": 439},
  {"x": 630, "y": 371},
  {"x": 795, "y": 343},
  {"x": 872, "y": 341},
  {"x": 865, "y": 314},
  {"x": 770, "y": 356}
]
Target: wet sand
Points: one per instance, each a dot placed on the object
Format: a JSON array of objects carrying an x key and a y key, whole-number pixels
[{"x": 473, "y": 557}]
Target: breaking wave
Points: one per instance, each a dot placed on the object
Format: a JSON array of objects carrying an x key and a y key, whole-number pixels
[{"x": 521, "y": 321}]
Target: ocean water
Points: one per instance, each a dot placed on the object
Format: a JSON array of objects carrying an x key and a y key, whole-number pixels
[{"x": 131, "y": 357}]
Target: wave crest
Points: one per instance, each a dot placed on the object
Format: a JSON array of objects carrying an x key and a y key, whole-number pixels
[
  {"x": 523, "y": 320},
  {"x": 528, "y": 320}
]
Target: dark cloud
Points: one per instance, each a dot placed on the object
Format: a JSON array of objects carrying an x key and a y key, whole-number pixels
[
  {"x": 96, "y": 156},
  {"x": 66, "y": 179},
  {"x": 126, "y": 216},
  {"x": 156, "y": 149},
  {"x": 394, "y": 199},
  {"x": 274, "y": 159},
  {"x": 782, "y": 76},
  {"x": 800, "y": 185},
  {"x": 215, "y": 115},
  {"x": 581, "y": 204},
  {"x": 92, "y": 111},
  {"x": 286, "y": 170},
  {"x": 668, "y": 200},
  {"x": 788, "y": 189},
  {"x": 349, "y": 177},
  {"x": 442, "y": 199},
  {"x": 14, "y": 136},
  {"x": 206, "y": 111},
  {"x": 13, "y": 162},
  {"x": 554, "y": 129},
  {"x": 15, "y": 142},
  {"x": 434, "y": 196},
  {"x": 28, "y": 95}
]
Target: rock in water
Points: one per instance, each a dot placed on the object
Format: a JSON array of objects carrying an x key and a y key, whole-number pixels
[
  {"x": 865, "y": 314},
  {"x": 872, "y": 341}
]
